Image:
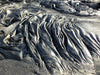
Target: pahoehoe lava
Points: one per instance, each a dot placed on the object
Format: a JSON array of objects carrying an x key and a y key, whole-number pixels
[{"x": 49, "y": 37}]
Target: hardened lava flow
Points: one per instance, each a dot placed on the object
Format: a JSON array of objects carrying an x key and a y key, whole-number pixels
[{"x": 49, "y": 37}]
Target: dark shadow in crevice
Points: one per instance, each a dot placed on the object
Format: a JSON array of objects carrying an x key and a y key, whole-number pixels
[{"x": 93, "y": 5}]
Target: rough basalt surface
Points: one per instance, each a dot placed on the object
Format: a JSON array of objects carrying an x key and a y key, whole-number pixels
[{"x": 49, "y": 37}]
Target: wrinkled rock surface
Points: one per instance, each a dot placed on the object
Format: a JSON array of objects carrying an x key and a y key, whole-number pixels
[{"x": 49, "y": 37}]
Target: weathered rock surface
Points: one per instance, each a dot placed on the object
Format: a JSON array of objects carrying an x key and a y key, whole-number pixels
[{"x": 49, "y": 37}]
